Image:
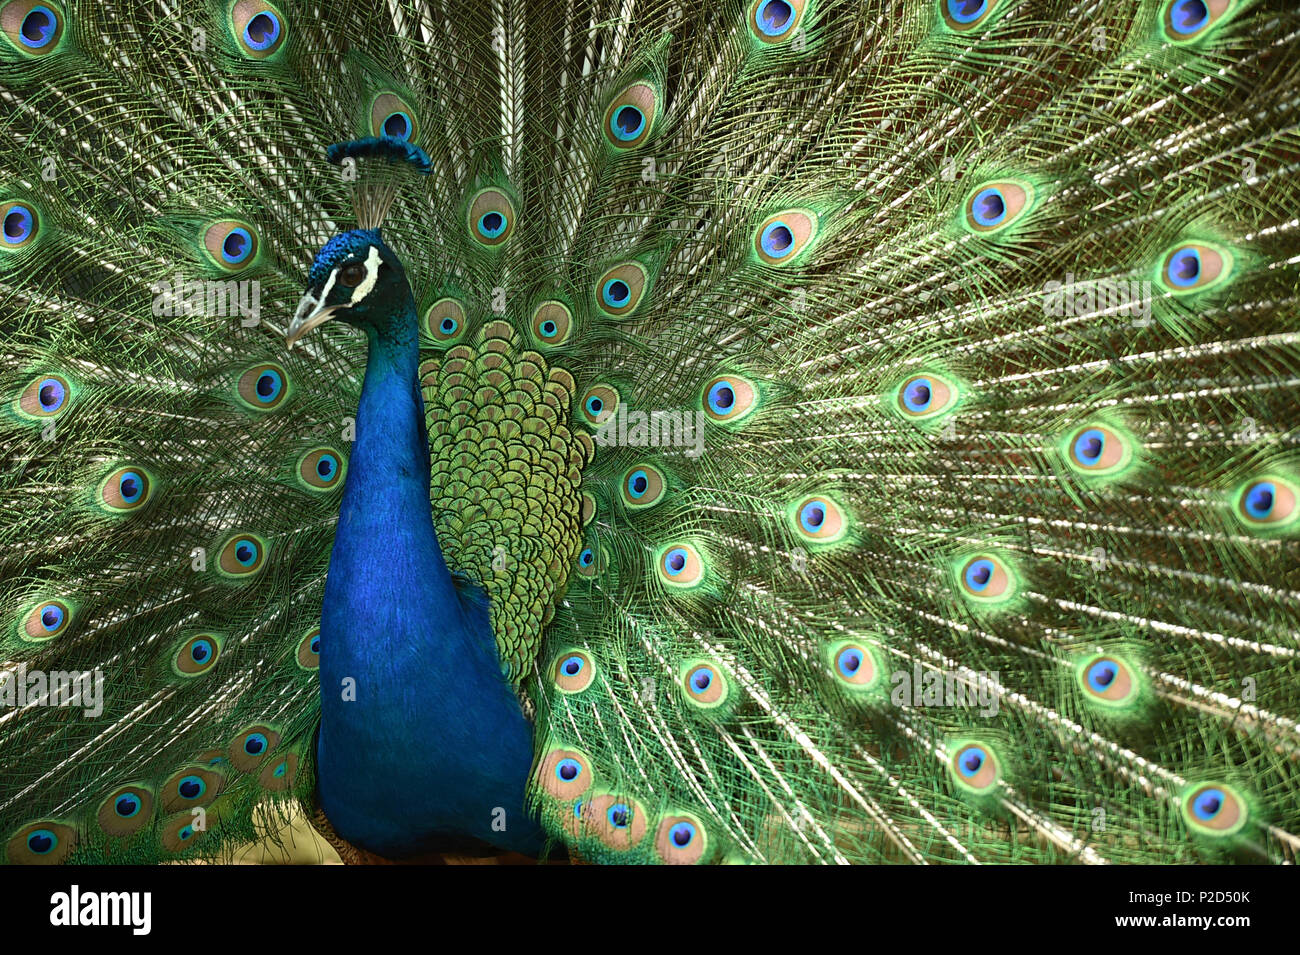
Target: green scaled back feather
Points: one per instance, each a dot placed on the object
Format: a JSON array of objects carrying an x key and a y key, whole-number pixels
[{"x": 874, "y": 426}]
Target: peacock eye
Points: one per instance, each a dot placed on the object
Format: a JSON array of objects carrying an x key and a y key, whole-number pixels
[{"x": 351, "y": 275}]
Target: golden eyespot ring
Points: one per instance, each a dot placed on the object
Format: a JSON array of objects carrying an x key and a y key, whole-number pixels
[
  {"x": 617, "y": 821},
  {"x": 1107, "y": 679},
  {"x": 781, "y": 238},
  {"x": 242, "y": 555},
  {"x": 41, "y": 843},
  {"x": 680, "y": 565},
  {"x": 251, "y": 747},
  {"x": 728, "y": 398},
  {"x": 1096, "y": 448},
  {"x": 45, "y": 397},
  {"x": 642, "y": 486},
  {"x": 491, "y": 218},
  {"x": 1193, "y": 267},
  {"x": 573, "y": 671},
  {"x": 775, "y": 21},
  {"x": 985, "y": 577},
  {"x": 926, "y": 395},
  {"x": 1268, "y": 503},
  {"x": 552, "y": 323},
  {"x": 818, "y": 518},
  {"x": 681, "y": 839},
  {"x": 197, "y": 655},
  {"x": 260, "y": 29},
  {"x": 996, "y": 205},
  {"x": 308, "y": 655},
  {"x": 391, "y": 115},
  {"x": 1214, "y": 809},
  {"x": 599, "y": 404},
  {"x": 704, "y": 684},
  {"x": 231, "y": 243},
  {"x": 588, "y": 508},
  {"x": 630, "y": 118},
  {"x": 1187, "y": 20},
  {"x": 279, "y": 772},
  {"x": 34, "y": 27},
  {"x": 974, "y": 766},
  {"x": 47, "y": 620},
  {"x": 20, "y": 224},
  {"x": 126, "y": 811},
  {"x": 620, "y": 290},
  {"x": 322, "y": 469},
  {"x": 264, "y": 387},
  {"x": 853, "y": 663},
  {"x": 126, "y": 489},
  {"x": 190, "y": 787},
  {"x": 564, "y": 774},
  {"x": 444, "y": 321}
]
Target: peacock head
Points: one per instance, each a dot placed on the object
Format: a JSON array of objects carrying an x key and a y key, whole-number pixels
[{"x": 356, "y": 279}]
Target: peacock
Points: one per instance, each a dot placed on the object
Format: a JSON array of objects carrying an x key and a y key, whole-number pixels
[{"x": 650, "y": 431}]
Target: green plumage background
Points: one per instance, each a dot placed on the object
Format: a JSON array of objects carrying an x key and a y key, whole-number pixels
[{"x": 146, "y": 132}]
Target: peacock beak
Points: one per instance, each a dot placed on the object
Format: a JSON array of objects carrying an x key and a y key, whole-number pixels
[{"x": 309, "y": 315}]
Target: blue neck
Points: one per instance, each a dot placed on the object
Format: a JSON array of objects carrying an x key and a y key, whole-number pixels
[{"x": 431, "y": 741}]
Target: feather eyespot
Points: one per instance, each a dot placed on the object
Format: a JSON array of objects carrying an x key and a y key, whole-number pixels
[
  {"x": 1194, "y": 267},
  {"x": 47, "y": 620},
  {"x": 197, "y": 655},
  {"x": 704, "y": 684},
  {"x": 1097, "y": 450},
  {"x": 190, "y": 787},
  {"x": 926, "y": 396},
  {"x": 963, "y": 16},
  {"x": 1268, "y": 503},
  {"x": 620, "y": 290},
  {"x": 782, "y": 238},
  {"x": 643, "y": 486},
  {"x": 599, "y": 404},
  {"x": 444, "y": 321},
  {"x": 231, "y": 244},
  {"x": 853, "y": 664},
  {"x": 45, "y": 397},
  {"x": 278, "y": 775},
  {"x": 1214, "y": 809},
  {"x": 19, "y": 225},
  {"x": 34, "y": 27},
  {"x": 263, "y": 387},
  {"x": 564, "y": 774},
  {"x": 552, "y": 323},
  {"x": 179, "y": 833},
  {"x": 617, "y": 821},
  {"x": 986, "y": 579},
  {"x": 681, "y": 839},
  {"x": 321, "y": 469},
  {"x": 308, "y": 655},
  {"x": 592, "y": 561},
  {"x": 630, "y": 118},
  {"x": 125, "y": 489},
  {"x": 573, "y": 671},
  {"x": 974, "y": 767},
  {"x": 996, "y": 205},
  {"x": 680, "y": 565},
  {"x": 774, "y": 21},
  {"x": 588, "y": 508},
  {"x": 728, "y": 398},
  {"x": 491, "y": 217},
  {"x": 251, "y": 747},
  {"x": 1187, "y": 20},
  {"x": 126, "y": 811},
  {"x": 818, "y": 519},
  {"x": 392, "y": 116},
  {"x": 259, "y": 28},
  {"x": 242, "y": 555},
  {"x": 1107, "y": 680},
  {"x": 41, "y": 843}
]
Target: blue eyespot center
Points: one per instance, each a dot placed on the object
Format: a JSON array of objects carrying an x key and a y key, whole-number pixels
[
  {"x": 627, "y": 123},
  {"x": 315, "y": 644},
  {"x": 587, "y": 557},
  {"x": 595, "y": 405},
  {"x": 572, "y": 666},
  {"x": 812, "y": 517},
  {"x": 567, "y": 770},
  {"x": 967, "y": 11},
  {"x": 131, "y": 487},
  {"x": 255, "y": 744},
  {"x": 850, "y": 661},
  {"x": 448, "y": 325},
  {"x": 675, "y": 561},
  {"x": 970, "y": 760},
  {"x": 327, "y": 466},
  {"x": 42, "y": 841},
  {"x": 701, "y": 680},
  {"x": 722, "y": 398},
  {"x": 38, "y": 27},
  {"x": 549, "y": 328},
  {"x": 185, "y": 834},
  {"x": 237, "y": 246},
  {"x": 52, "y": 393},
  {"x": 1260, "y": 498},
  {"x": 617, "y": 293},
  {"x": 682, "y": 834},
  {"x": 637, "y": 484},
  {"x": 777, "y": 240},
  {"x": 491, "y": 225},
  {"x": 1189, "y": 16},
  {"x": 127, "y": 805},
  {"x": 619, "y": 816},
  {"x": 52, "y": 617},
  {"x": 191, "y": 787},
  {"x": 775, "y": 17},
  {"x": 1089, "y": 446},
  {"x": 918, "y": 394},
  {"x": 1101, "y": 675},
  {"x": 246, "y": 552},
  {"x": 262, "y": 31},
  {"x": 397, "y": 125},
  {"x": 979, "y": 573},
  {"x": 1184, "y": 268},
  {"x": 269, "y": 385},
  {"x": 1208, "y": 804},
  {"x": 989, "y": 207},
  {"x": 201, "y": 651},
  {"x": 18, "y": 224},
  {"x": 280, "y": 770}
]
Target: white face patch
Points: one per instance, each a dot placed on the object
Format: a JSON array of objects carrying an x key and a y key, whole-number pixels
[{"x": 372, "y": 276}]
